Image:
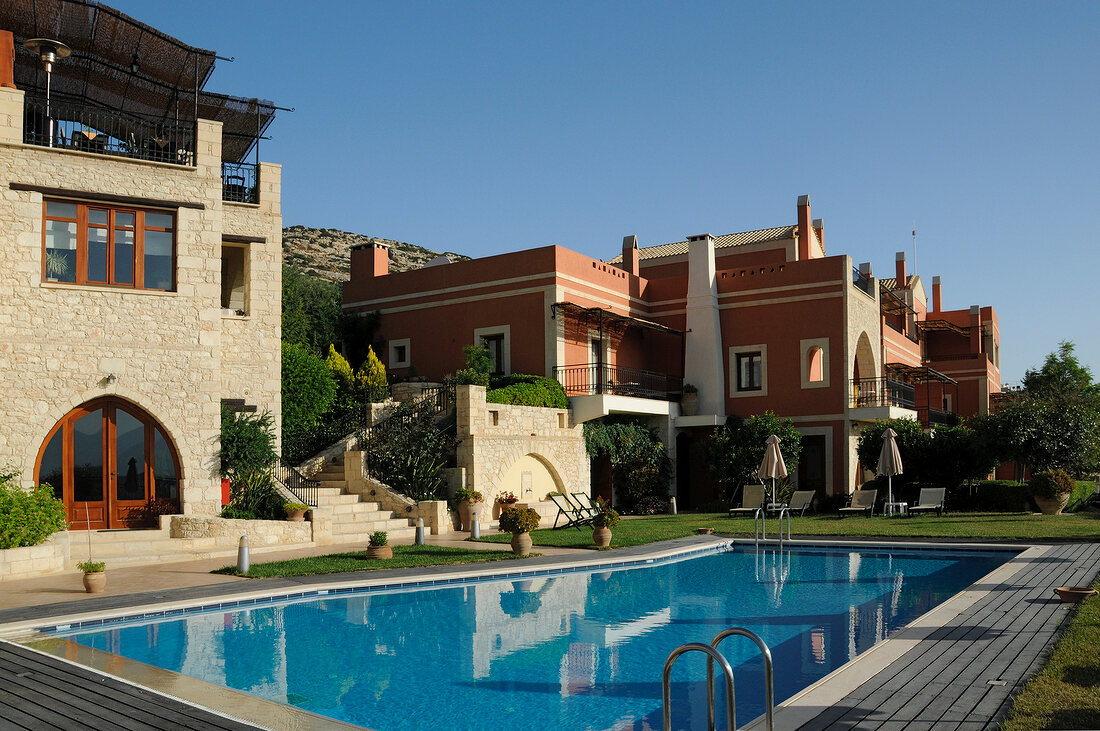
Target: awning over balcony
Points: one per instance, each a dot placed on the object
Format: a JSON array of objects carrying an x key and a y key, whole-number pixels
[
  {"x": 918, "y": 374},
  {"x": 606, "y": 319},
  {"x": 942, "y": 326},
  {"x": 123, "y": 65}
]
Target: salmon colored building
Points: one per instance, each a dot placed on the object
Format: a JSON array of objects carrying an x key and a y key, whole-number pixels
[{"x": 756, "y": 321}]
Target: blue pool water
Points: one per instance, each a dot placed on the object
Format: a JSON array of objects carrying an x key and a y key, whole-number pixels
[{"x": 577, "y": 650}]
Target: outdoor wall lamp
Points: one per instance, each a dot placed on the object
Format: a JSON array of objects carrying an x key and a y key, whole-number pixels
[{"x": 111, "y": 378}]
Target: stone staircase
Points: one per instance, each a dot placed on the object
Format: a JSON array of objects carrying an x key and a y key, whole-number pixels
[
  {"x": 131, "y": 547},
  {"x": 354, "y": 517}
]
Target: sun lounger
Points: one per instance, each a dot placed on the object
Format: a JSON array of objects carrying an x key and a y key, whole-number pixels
[
  {"x": 931, "y": 498},
  {"x": 863, "y": 501},
  {"x": 800, "y": 501},
  {"x": 573, "y": 517},
  {"x": 586, "y": 504},
  {"x": 752, "y": 499}
]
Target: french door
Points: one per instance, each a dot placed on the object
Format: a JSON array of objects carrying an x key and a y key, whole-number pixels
[{"x": 109, "y": 461}]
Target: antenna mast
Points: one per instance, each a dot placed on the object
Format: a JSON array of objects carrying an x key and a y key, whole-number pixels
[{"x": 914, "y": 247}]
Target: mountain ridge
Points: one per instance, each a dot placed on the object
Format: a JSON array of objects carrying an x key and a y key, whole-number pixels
[{"x": 326, "y": 252}]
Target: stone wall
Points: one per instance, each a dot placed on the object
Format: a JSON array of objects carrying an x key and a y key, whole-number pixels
[
  {"x": 358, "y": 482},
  {"x": 174, "y": 353},
  {"x": 48, "y": 557},
  {"x": 527, "y": 450},
  {"x": 259, "y": 532}
]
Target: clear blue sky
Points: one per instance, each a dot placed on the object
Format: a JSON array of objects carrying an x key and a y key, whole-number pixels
[{"x": 490, "y": 127}]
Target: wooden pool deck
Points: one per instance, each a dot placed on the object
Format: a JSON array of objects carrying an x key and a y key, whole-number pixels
[
  {"x": 960, "y": 674},
  {"x": 963, "y": 676}
]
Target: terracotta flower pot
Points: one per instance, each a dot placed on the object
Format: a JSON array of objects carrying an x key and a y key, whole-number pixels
[
  {"x": 1052, "y": 506},
  {"x": 601, "y": 537},
  {"x": 296, "y": 515},
  {"x": 465, "y": 512},
  {"x": 95, "y": 582},
  {"x": 1074, "y": 593},
  {"x": 689, "y": 404},
  {"x": 379, "y": 552},
  {"x": 521, "y": 543}
]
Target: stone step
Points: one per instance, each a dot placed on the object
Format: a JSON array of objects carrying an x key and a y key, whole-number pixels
[
  {"x": 105, "y": 537},
  {"x": 392, "y": 535},
  {"x": 341, "y": 530},
  {"x": 360, "y": 511},
  {"x": 338, "y": 483},
  {"x": 341, "y": 499},
  {"x": 176, "y": 553},
  {"x": 330, "y": 490}
]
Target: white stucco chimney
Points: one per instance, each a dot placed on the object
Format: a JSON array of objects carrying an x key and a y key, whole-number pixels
[{"x": 703, "y": 363}]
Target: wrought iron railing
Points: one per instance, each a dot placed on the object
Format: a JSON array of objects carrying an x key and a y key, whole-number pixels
[
  {"x": 107, "y": 132},
  {"x": 303, "y": 488},
  {"x": 881, "y": 392},
  {"x": 240, "y": 182},
  {"x": 601, "y": 378},
  {"x": 300, "y": 446},
  {"x": 929, "y": 417}
]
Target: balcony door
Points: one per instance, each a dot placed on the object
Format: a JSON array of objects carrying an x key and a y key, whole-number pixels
[{"x": 108, "y": 461}]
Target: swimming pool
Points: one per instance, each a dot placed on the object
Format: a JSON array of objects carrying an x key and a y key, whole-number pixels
[{"x": 568, "y": 650}]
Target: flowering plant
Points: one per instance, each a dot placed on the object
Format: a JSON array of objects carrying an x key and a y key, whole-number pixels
[{"x": 507, "y": 498}]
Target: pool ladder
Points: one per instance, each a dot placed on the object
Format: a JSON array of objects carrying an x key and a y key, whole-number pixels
[
  {"x": 760, "y": 520},
  {"x": 713, "y": 655}
]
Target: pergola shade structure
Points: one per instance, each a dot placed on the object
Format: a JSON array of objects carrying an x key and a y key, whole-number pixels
[{"x": 127, "y": 88}]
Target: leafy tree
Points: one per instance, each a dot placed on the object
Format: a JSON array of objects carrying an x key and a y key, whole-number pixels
[
  {"x": 311, "y": 309},
  {"x": 954, "y": 455},
  {"x": 371, "y": 380},
  {"x": 640, "y": 467},
  {"x": 308, "y": 391},
  {"x": 409, "y": 451},
  {"x": 359, "y": 334},
  {"x": 247, "y": 443},
  {"x": 1053, "y": 422},
  {"x": 912, "y": 444},
  {"x": 478, "y": 365},
  {"x": 734, "y": 451},
  {"x": 28, "y": 517}
]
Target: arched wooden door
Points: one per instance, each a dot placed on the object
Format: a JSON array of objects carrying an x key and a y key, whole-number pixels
[{"x": 109, "y": 460}]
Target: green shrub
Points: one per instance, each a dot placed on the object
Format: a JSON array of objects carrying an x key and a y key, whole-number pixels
[
  {"x": 519, "y": 520},
  {"x": 1081, "y": 494},
  {"x": 476, "y": 372},
  {"x": 409, "y": 451},
  {"x": 468, "y": 495},
  {"x": 371, "y": 379},
  {"x": 247, "y": 443},
  {"x": 308, "y": 388},
  {"x": 1051, "y": 485},
  {"x": 526, "y": 390},
  {"x": 991, "y": 496},
  {"x": 254, "y": 496},
  {"x": 378, "y": 538},
  {"x": 640, "y": 467},
  {"x": 231, "y": 513},
  {"x": 91, "y": 567},
  {"x": 607, "y": 517},
  {"x": 28, "y": 517}
]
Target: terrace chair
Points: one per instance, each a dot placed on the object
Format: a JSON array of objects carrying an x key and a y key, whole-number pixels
[
  {"x": 573, "y": 517},
  {"x": 586, "y": 504},
  {"x": 931, "y": 498},
  {"x": 863, "y": 501},
  {"x": 752, "y": 499},
  {"x": 800, "y": 501}
]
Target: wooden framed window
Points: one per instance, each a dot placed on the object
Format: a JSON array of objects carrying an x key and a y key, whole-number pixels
[
  {"x": 749, "y": 371},
  {"x": 86, "y": 243}
]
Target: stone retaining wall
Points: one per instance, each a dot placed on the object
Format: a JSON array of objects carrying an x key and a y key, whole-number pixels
[
  {"x": 259, "y": 532},
  {"x": 48, "y": 557},
  {"x": 358, "y": 482}
]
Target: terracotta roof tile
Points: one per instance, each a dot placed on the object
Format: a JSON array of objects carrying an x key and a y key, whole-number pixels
[{"x": 720, "y": 242}]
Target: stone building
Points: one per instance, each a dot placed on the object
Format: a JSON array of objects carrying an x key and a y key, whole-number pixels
[{"x": 140, "y": 263}]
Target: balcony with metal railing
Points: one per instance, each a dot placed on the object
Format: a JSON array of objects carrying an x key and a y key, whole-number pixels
[
  {"x": 879, "y": 392},
  {"x": 589, "y": 379}
]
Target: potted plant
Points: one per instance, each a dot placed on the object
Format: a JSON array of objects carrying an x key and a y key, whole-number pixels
[
  {"x": 57, "y": 266},
  {"x": 1051, "y": 490},
  {"x": 295, "y": 511},
  {"x": 689, "y": 402},
  {"x": 377, "y": 545},
  {"x": 505, "y": 499},
  {"x": 603, "y": 521},
  {"x": 519, "y": 522},
  {"x": 466, "y": 498},
  {"x": 95, "y": 577}
]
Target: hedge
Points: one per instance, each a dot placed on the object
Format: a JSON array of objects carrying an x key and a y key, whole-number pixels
[
  {"x": 527, "y": 390},
  {"x": 28, "y": 517}
]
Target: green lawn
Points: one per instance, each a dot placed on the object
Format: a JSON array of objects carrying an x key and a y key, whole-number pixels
[
  {"x": 1066, "y": 693},
  {"x": 403, "y": 557},
  {"x": 958, "y": 526}
]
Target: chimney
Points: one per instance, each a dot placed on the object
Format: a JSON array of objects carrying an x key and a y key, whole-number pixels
[
  {"x": 7, "y": 60},
  {"x": 975, "y": 329},
  {"x": 865, "y": 269},
  {"x": 804, "y": 228},
  {"x": 630, "y": 255},
  {"x": 936, "y": 303},
  {"x": 899, "y": 265},
  {"x": 819, "y": 229},
  {"x": 370, "y": 260}
]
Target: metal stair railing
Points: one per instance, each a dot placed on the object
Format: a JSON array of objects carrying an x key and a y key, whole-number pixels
[
  {"x": 302, "y": 487},
  {"x": 713, "y": 655}
]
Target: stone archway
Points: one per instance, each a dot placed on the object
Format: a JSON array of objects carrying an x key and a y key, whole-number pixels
[{"x": 531, "y": 476}]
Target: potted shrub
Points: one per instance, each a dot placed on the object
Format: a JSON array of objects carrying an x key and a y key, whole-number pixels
[
  {"x": 95, "y": 576},
  {"x": 519, "y": 522},
  {"x": 295, "y": 511},
  {"x": 689, "y": 402},
  {"x": 505, "y": 499},
  {"x": 1051, "y": 490},
  {"x": 602, "y": 523},
  {"x": 377, "y": 545},
  {"x": 466, "y": 498}
]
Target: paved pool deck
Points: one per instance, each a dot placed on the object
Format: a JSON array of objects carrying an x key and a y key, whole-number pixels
[{"x": 955, "y": 668}]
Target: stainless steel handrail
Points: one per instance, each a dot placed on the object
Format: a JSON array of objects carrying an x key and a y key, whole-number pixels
[
  {"x": 712, "y": 655},
  {"x": 769, "y": 689}
]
